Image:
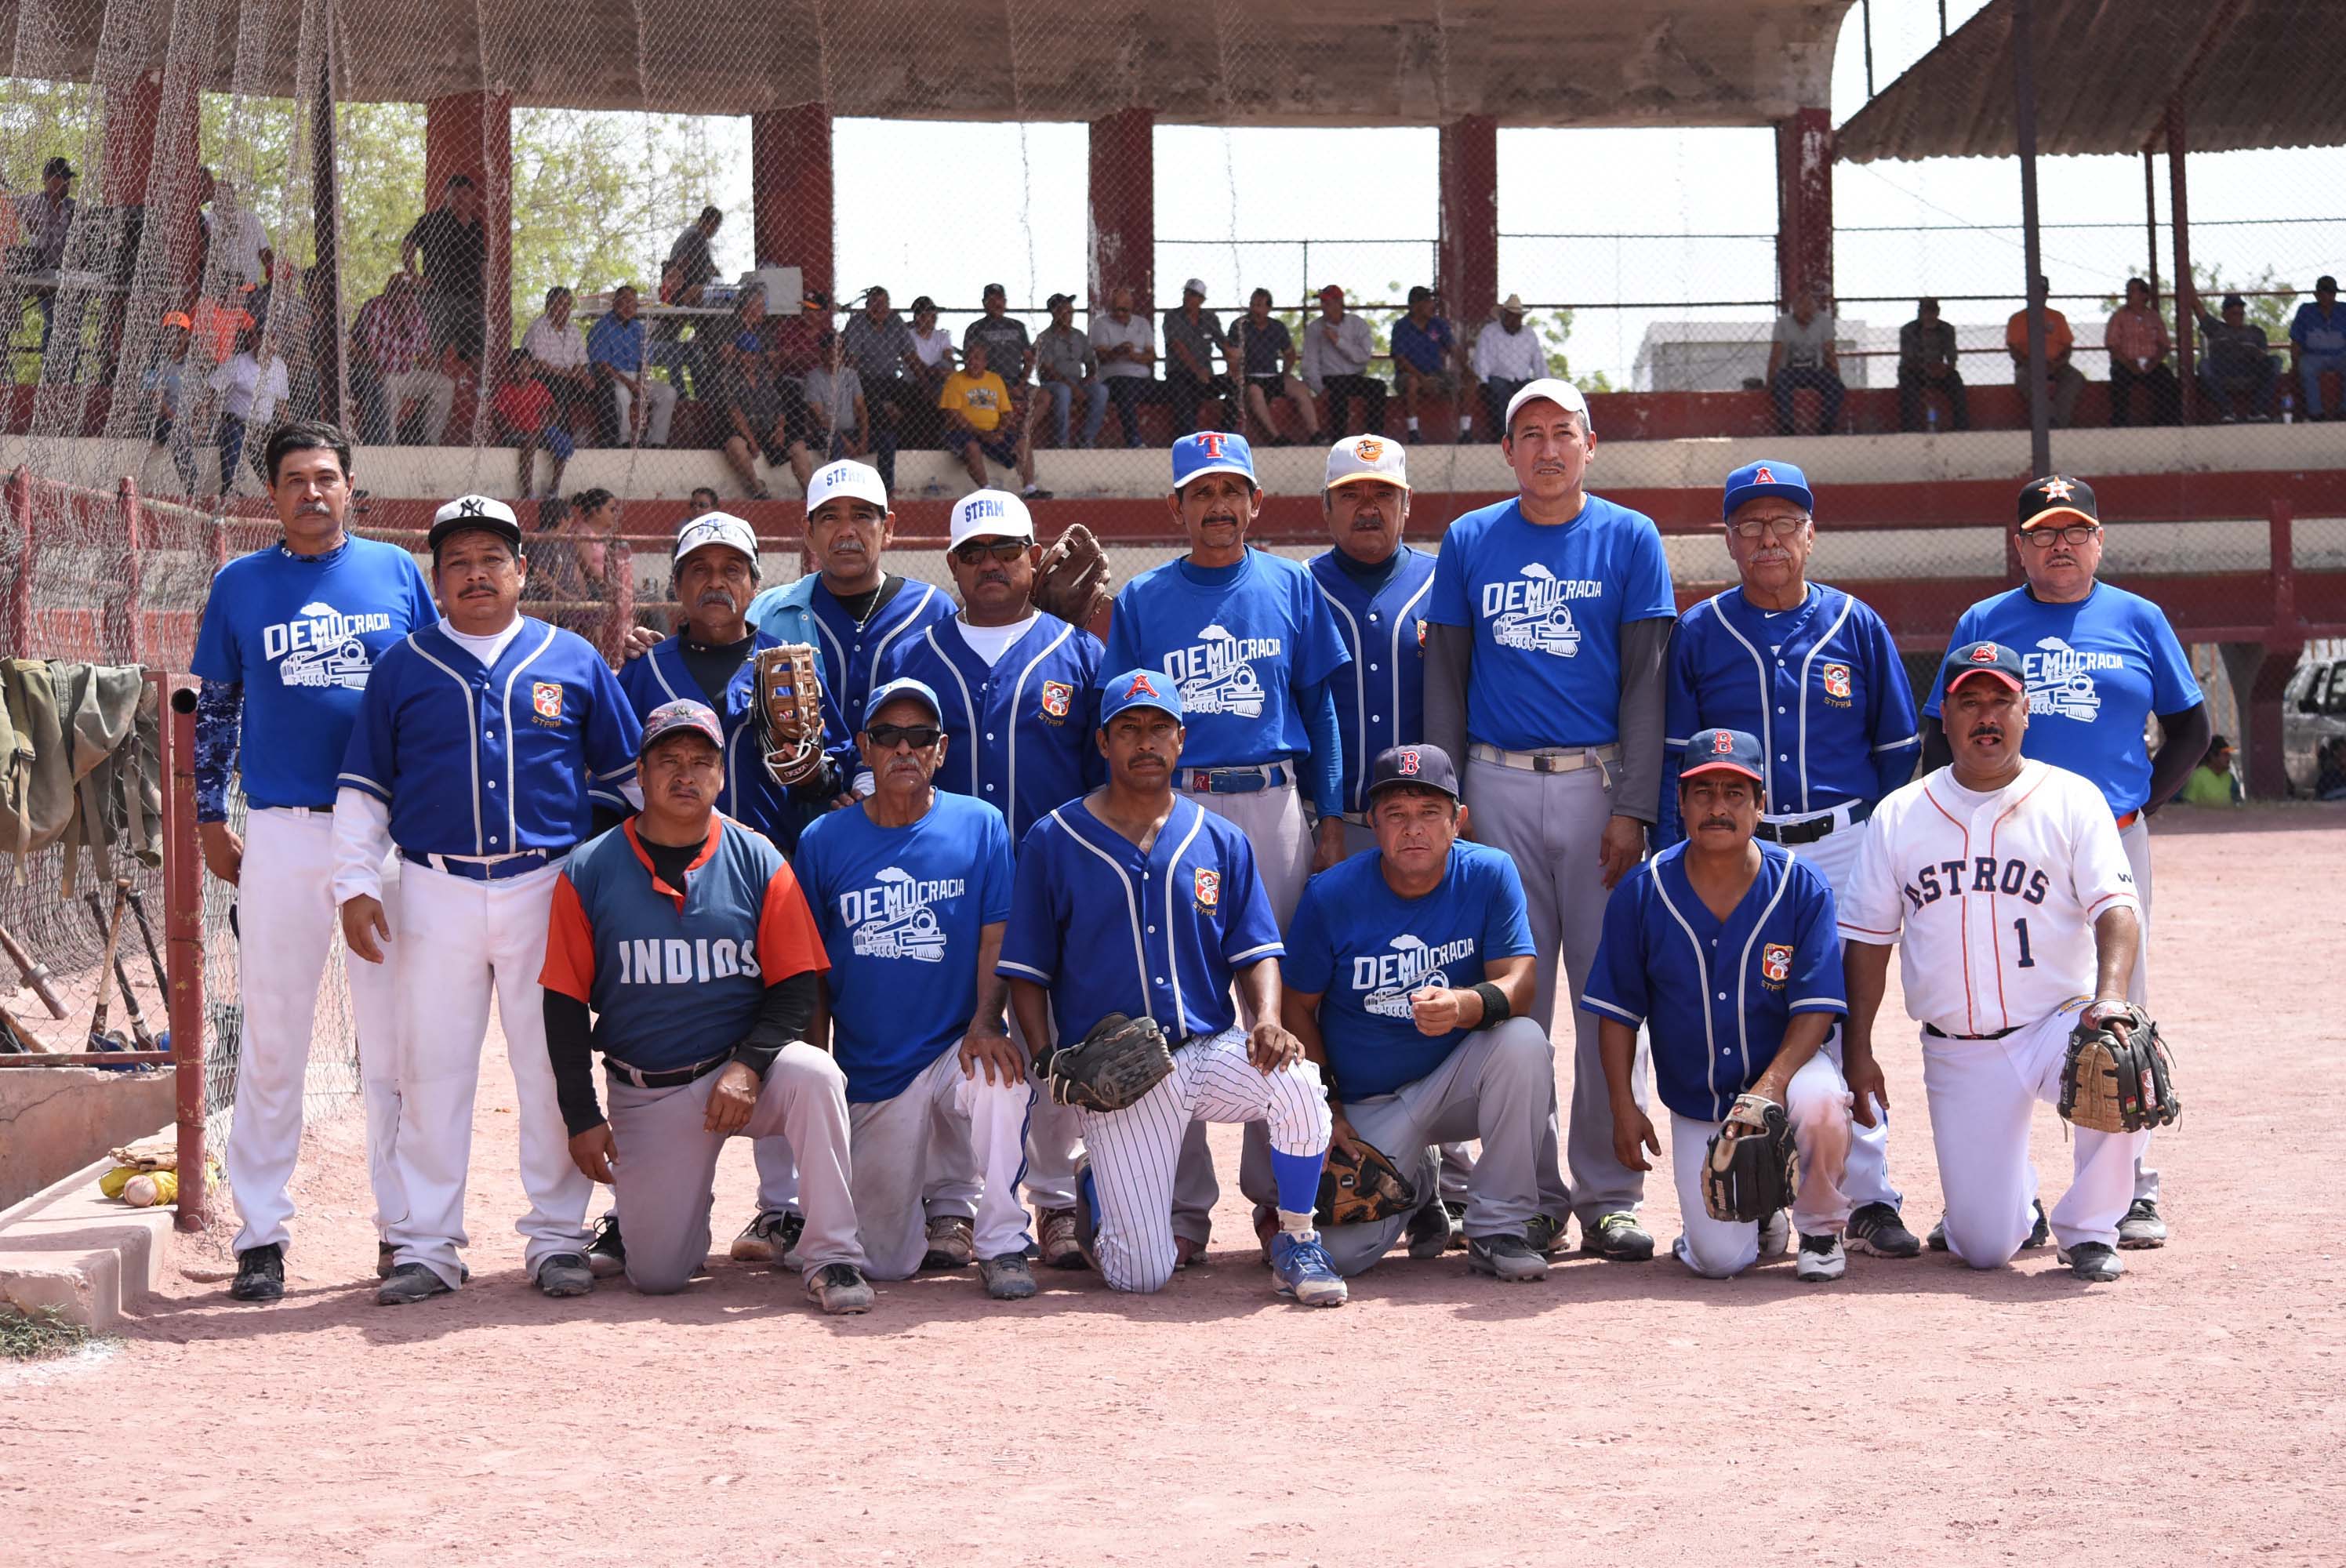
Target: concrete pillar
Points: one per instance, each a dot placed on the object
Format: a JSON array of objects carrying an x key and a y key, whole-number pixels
[
  {"x": 2259, "y": 672},
  {"x": 1123, "y": 207},
  {"x": 791, "y": 194},
  {"x": 471, "y": 134},
  {"x": 1469, "y": 260},
  {"x": 1804, "y": 239}
]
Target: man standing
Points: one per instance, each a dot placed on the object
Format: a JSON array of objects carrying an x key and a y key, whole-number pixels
[
  {"x": 289, "y": 637},
  {"x": 1193, "y": 338},
  {"x": 1803, "y": 354},
  {"x": 1337, "y": 349},
  {"x": 482, "y": 744},
  {"x": 2065, "y": 382},
  {"x": 1069, "y": 369},
  {"x": 1544, "y": 668},
  {"x": 2137, "y": 341},
  {"x": 876, "y": 342},
  {"x": 455, "y": 251},
  {"x": 1424, "y": 357},
  {"x": 43, "y": 219},
  {"x": 1815, "y": 675},
  {"x": 616, "y": 346},
  {"x": 2317, "y": 343},
  {"x": 1127, "y": 346},
  {"x": 1507, "y": 358},
  {"x": 1926, "y": 362}
]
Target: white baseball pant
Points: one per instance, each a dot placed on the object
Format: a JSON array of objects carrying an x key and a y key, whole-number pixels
[
  {"x": 970, "y": 1131},
  {"x": 2135, "y": 838},
  {"x": 1053, "y": 1131},
  {"x": 1818, "y": 1106},
  {"x": 1867, "y": 1177}
]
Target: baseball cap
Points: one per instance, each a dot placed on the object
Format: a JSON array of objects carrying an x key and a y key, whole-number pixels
[
  {"x": 1427, "y": 765},
  {"x": 2233, "y": 301},
  {"x": 1358, "y": 457},
  {"x": 1195, "y": 286},
  {"x": 474, "y": 512},
  {"x": 682, "y": 714},
  {"x": 1326, "y": 290},
  {"x": 816, "y": 298},
  {"x": 1138, "y": 688},
  {"x": 177, "y": 319},
  {"x": 993, "y": 289},
  {"x": 989, "y": 515},
  {"x": 1983, "y": 658},
  {"x": 846, "y": 477},
  {"x": 1724, "y": 751},
  {"x": 1212, "y": 452},
  {"x": 1562, "y": 393},
  {"x": 1419, "y": 292},
  {"x": 1056, "y": 301},
  {"x": 1766, "y": 477},
  {"x": 904, "y": 686},
  {"x": 58, "y": 165},
  {"x": 2325, "y": 281},
  {"x": 2219, "y": 743},
  {"x": 717, "y": 528},
  {"x": 2055, "y": 495}
]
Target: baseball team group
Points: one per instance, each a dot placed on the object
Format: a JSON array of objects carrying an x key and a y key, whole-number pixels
[{"x": 1332, "y": 835}]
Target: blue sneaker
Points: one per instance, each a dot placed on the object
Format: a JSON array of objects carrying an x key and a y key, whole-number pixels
[{"x": 1300, "y": 1266}]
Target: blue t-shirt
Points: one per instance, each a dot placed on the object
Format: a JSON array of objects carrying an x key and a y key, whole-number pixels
[
  {"x": 2096, "y": 670},
  {"x": 1362, "y": 948},
  {"x": 1716, "y": 996},
  {"x": 1242, "y": 643},
  {"x": 1546, "y": 605},
  {"x": 300, "y": 634},
  {"x": 2317, "y": 331},
  {"x": 617, "y": 343},
  {"x": 1381, "y": 700},
  {"x": 902, "y": 911},
  {"x": 1426, "y": 348}
]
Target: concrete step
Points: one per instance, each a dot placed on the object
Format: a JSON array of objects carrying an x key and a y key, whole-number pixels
[{"x": 86, "y": 1256}]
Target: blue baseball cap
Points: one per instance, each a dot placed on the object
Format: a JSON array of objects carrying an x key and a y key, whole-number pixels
[
  {"x": 1724, "y": 751},
  {"x": 682, "y": 714},
  {"x": 1212, "y": 451},
  {"x": 1766, "y": 477},
  {"x": 904, "y": 686},
  {"x": 1983, "y": 658},
  {"x": 1139, "y": 689}
]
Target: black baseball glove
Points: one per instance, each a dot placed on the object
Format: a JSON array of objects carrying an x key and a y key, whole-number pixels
[
  {"x": 2111, "y": 1084},
  {"x": 1113, "y": 1066},
  {"x": 1750, "y": 1171}
]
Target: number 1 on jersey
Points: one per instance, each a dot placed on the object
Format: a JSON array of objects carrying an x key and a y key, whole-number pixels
[{"x": 2020, "y": 928}]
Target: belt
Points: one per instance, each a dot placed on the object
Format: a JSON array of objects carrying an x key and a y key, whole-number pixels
[
  {"x": 325, "y": 810},
  {"x": 1236, "y": 781},
  {"x": 2130, "y": 819},
  {"x": 1936, "y": 1033},
  {"x": 1809, "y": 830},
  {"x": 1555, "y": 759},
  {"x": 478, "y": 869},
  {"x": 670, "y": 1078}
]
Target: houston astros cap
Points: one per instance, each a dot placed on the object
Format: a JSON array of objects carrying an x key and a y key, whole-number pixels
[
  {"x": 717, "y": 528},
  {"x": 1766, "y": 477},
  {"x": 1212, "y": 451},
  {"x": 1427, "y": 765},
  {"x": 989, "y": 515},
  {"x": 1723, "y": 751},
  {"x": 904, "y": 686},
  {"x": 682, "y": 714},
  {"x": 1562, "y": 393},
  {"x": 1138, "y": 688},
  {"x": 1983, "y": 658},
  {"x": 2054, "y": 496},
  {"x": 474, "y": 512},
  {"x": 846, "y": 477},
  {"x": 1358, "y": 457}
]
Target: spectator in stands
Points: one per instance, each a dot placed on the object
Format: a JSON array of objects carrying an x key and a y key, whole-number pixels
[
  {"x": 1264, "y": 351},
  {"x": 454, "y": 252},
  {"x": 1926, "y": 362},
  {"x": 933, "y": 346},
  {"x": 2235, "y": 359},
  {"x": 977, "y": 406},
  {"x": 1193, "y": 337},
  {"x": 570, "y": 583},
  {"x": 762, "y": 410},
  {"x": 2064, "y": 382},
  {"x": 1337, "y": 349},
  {"x": 527, "y": 417},
  {"x": 1011, "y": 352},
  {"x": 796, "y": 340},
  {"x": 684, "y": 276},
  {"x": 2136, "y": 339},
  {"x": 1126, "y": 347},
  {"x": 2317, "y": 343},
  {"x": 1425, "y": 361},
  {"x": 391, "y": 339},
  {"x": 43, "y": 218},
  {"x": 250, "y": 387},
  {"x": 704, "y": 500},
  {"x": 557, "y": 353},
  {"x": 618, "y": 352},
  {"x": 876, "y": 342},
  {"x": 165, "y": 383},
  {"x": 691, "y": 258},
  {"x": 1804, "y": 355},
  {"x": 1068, "y": 368},
  {"x": 2213, "y": 782},
  {"x": 838, "y": 421},
  {"x": 1507, "y": 354},
  {"x": 234, "y": 237}
]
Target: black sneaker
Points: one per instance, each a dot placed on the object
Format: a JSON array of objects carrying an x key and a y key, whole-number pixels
[
  {"x": 1544, "y": 1234},
  {"x": 2142, "y": 1226},
  {"x": 2041, "y": 1232},
  {"x": 259, "y": 1273},
  {"x": 606, "y": 1255},
  {"x": 1618, "y": 1237},
  {"x": 1507, "y": 1257},
  {"x": 1876, "y": 1229},
  {"x": 566, "y": 1274},
  {"x": 410, "y": 1283},
  {"x": 2093, "y": 1261},
  {"x": 1428, "y": 1231}
]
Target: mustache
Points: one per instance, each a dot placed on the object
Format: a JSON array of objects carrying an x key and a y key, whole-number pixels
[
  {"x": 1719, "y": 822},
  {"x": 718, "y": 596},
  {"x": 313, "y": 508},
  {"x": 1986, "y": 731}
]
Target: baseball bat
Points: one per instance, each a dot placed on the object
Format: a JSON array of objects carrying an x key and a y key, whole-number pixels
[
  {"x": 155, "y": 958},
  {"x": 146, "y": 1041},
  {"x": 37, "y": 975},
  {"x": 106, "y": 963}
]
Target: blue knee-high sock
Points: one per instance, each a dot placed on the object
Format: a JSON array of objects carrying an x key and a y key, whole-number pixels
[{"x": 1298, "y": 1180}]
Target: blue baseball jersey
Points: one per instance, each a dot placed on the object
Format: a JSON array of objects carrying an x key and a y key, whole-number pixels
[
  {"x": 2096, "y": 670},
  {"x": 1362, "y": 948},
  {"x": 475, "y": 762},
  {"x": 851, "y": 654},
  {"x": 1383, "y": 703},
  {"x": 301, "y": 634},
  {"x": 1546, "y": 606},
  {"x": 1716, "y": 996},
  {"x": 1241, "y": 643},
  {"x": 1023, "y": 734},
  {"x": 676, "y": 975},
  {"x": 901, "y": 912},
  {"x": 750, "y": 794},
  {"x": 1109, "y": 928},
  {"x": 1821, "y": 684}
]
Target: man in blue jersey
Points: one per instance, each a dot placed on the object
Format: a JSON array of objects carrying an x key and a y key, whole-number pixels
[
  {"x": 1816, "y": 676},
  {"x": 1408, "y": 970},
  {"x": 911, "y": 889},
  {"x": 1545, "y": 636},
  {"x": 288, "y": 637},
  {"x": 2099, "y": 662},
  {"x": 484, "y": 743},
  {"x": 1725, "y": 952}
]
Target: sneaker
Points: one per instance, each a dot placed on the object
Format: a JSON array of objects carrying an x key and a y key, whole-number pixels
[
  {"x": 2142, "y": 1226},
  {"x": 1937, "y": 1241},
  {"x": 259, "y": 1273},
  {"x": 385, "y": 1255},
  {"x": 1007, "y": 1278},
  {"x": 1428, "y": 1231},
  {"x": 409, "y": 1283},
  {"x": 839, "y": 1288},
  {"x": 1059, "y": 1245},
  {"x": 1410, "y": 437},
  {"x": 1507, "y": 1257},
  {"x": 1820, "y": 1257},
  {"x": 1265, "y": 1231},
  {"x": 2042, "y": 1231},
  {"x": 1619, "y": 1238},
  {"x": 606, "y": 1255},
  {"x": 1775, "y": 1235},
  {"x": 1544, "y": 1235},
  {"x": 1300, "y": 1266},
  {"x": 1457, "y": 1213},
  {"x": 2093, "y": 1261},
  {"x": 766, "y": 1239},
  {"x": 1186, "y": 1251},
  {"x": 1462, "y": 438},
  {"x": 566, "y": 1274},
  {"x": 1876, "y": 1230},
  {"x": 952, "y": 1243},
  {"x": 1035, "y": 493}
]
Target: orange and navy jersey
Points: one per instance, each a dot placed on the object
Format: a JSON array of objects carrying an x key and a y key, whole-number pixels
[{"x": 676, "y": 976}]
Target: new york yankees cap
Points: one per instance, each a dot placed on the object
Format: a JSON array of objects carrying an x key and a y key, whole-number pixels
[
  {"x": 2044, "y": 502},
  {"x": 1138, "y": 688},
  {"x": 1766, "y": 477},
  {"x": 1358, "y": 457},
  {"x": 1427, "y": 765},
  {"x": 468, "y": 512},
  {"x": 717, "y": 528},
  {"x": 682, "y": 714},
  {"x": 846, "y": 477},
  {"x": 989, "y": 515},
  {"x": 1724, "y": 751},
  {"x": 1983, "y": 658},
  {"x": 1212, "y": 451}
]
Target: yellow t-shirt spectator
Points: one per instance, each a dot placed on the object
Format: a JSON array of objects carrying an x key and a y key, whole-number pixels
[{"x": 981, "y": 399}]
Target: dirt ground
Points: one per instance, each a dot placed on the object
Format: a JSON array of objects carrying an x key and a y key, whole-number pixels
[{"x": 1916, "y": 1413}]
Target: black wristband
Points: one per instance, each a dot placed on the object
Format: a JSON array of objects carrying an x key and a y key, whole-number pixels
[{"x": 1496, "y": 1009}]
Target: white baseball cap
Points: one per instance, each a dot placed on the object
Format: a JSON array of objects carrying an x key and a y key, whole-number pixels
[
  {"x": 1562, "y": 393},
  {"x": 989, "y": 515},
  {"x": 482, "y": 511},
  {"x": 1195, "y": 286},
  {"x": 717, "y": 528},
  {"x": 1358, "y": 457},
  {"x": 846, "y": 477}
]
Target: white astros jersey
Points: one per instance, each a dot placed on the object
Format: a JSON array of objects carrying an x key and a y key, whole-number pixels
[{"x": 1991, "y": 898}]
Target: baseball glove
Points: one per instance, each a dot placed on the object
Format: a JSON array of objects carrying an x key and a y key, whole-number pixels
[
  {"x": 2119, "y": 1085},
  {"x": 1750, "y": 1170},
  {"x": 1355, "y": 1190},
  {"x": 789, "y": 712},
  {"x": 1115, "y": 1064},
  {"x": 1073, "y": 581}
]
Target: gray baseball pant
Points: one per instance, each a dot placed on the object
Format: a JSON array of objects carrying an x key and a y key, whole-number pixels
[{"x": 945, "y": 1126}]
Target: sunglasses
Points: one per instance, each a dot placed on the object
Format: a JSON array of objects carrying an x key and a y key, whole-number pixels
[
  {"x": 1003, "y": 550},
  {"x": 2074, "y": 533},
  {"x": 888, "y": 737}
]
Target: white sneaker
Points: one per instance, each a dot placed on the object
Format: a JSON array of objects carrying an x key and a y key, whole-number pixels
[
  {"x": 1820, "y": 1257},
  {"x": 1775, "y": 1235}
]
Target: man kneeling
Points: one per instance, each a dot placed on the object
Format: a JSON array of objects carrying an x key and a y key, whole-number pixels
[
  {"x": 686, "y": 935},
  {"x": 1729, "y": 951}
]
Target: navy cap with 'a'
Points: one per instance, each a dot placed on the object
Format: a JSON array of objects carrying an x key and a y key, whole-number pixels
[
  {"x": 1429, "y": 766},
  {"x": 1724, "y": 751},
  {"x": 1983, "y": 658}
]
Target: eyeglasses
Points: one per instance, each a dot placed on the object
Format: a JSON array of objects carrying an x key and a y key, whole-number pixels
[
  {"x": 2074, "y": 533},
  {"x": 977, "y": 550},
  {"x": 1774, "y": 527},
  {"x": 888, "y": 737}
]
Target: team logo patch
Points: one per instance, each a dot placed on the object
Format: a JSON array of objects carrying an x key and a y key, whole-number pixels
[
  {"x": 1837, "y": 680},
  {"x": 546, "y": 696},
  {"x": 1209, "y": 891},
  {"x": 1141, "y": 687},
  {"x": 1409, "y": 762},
  {"x": 2059, "y": 489},
  {"x": 1420, "y": 633},
  {"x": 1057, "y": 697},
  {"x": 1213, "y": 441},
  {"x": 1765, "y": 477},
  {"x": 1368, "y": 449},
  {"x": 1983, "y": 654},
  {"x": 1776, "y": 962},
  {"x": 1722, "y": 743}
]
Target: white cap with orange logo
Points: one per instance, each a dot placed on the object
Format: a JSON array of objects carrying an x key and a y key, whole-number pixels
[{"x": 1358, "y": 457}]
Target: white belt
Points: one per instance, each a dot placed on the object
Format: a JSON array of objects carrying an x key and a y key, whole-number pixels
[
  {"x": 1839, "y": 814},
  {"x": 1555, "y": 759}
]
